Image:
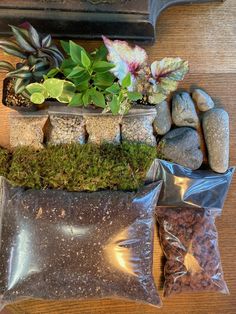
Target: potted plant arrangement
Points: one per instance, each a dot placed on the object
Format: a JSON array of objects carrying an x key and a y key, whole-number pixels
[
  {"x": 37, "y": 55},
  {"x": 112, "y": 78},
  {"x": 109, "y": 95},
  {"x": 99, "y": 88}
]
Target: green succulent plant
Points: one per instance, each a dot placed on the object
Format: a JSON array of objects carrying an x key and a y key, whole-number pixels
[{"x": 38, "y": 55}]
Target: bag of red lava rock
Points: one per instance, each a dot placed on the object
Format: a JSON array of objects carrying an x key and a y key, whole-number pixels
[
  {"x": 188, "y": 205},
  {"x": 188, "y": 237}
]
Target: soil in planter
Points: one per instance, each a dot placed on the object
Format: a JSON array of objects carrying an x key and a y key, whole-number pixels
[{"x": 15, "y": 100}]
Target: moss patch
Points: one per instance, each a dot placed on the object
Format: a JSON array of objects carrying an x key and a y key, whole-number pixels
[
  {"x": 81, "y": 167},
  {"x": 4, "y": 162}
]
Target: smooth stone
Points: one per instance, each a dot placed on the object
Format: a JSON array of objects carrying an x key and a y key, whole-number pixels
[
  {"x": 182, "y": 146},
  {"x": 216, "y": 132},
  {"x": 203, "y": 101},
  {"x": 162, "y": 122},
  {"x": 183, "y": 111}
]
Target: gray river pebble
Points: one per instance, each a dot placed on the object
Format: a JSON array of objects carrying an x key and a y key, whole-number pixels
[{"x": 216, "y": 133}]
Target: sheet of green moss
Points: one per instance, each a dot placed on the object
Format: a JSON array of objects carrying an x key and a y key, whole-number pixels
[
  {"x": 81, "y": 167},
  {"x": 4, "y": 162}
]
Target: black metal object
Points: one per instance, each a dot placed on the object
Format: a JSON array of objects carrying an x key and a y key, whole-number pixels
[{"x": 124, "y": 19}]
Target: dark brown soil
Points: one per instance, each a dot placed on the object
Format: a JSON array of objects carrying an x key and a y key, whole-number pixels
[
  {"x": 13, "y": 100},
  {"x": 77, "y": 245}
]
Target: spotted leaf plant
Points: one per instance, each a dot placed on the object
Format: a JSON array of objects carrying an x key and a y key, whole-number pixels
[{"x": 156, "y": 81}]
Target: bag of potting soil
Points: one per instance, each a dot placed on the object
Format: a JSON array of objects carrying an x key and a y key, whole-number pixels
[{"x": 59, "y": 245}]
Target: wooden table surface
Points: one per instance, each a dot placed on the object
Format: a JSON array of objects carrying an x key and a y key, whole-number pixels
[{"x": 206, "y": 36}]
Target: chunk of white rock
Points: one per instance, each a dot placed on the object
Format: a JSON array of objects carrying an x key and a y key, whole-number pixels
[
  {"x": 216, "y": 133},
  {"x": 162, "y": 122},
  {"x": 183, "y": 111},
  {"x": 203, "y": 101}
]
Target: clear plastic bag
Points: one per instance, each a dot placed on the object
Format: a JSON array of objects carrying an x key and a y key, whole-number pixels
[
  {"x": 66, "y": 129},
  {"x": 59, "y": 245},
  {"x": 189, "y": 240},
  {"x": 26, "y": 129},
  {"x": 103, "y": 128},
  {"x": 186, "y": 211},
  {"x": 137, "y": 126}
]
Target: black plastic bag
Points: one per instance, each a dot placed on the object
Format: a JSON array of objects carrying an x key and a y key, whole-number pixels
[{"x": 185, "y": 187}]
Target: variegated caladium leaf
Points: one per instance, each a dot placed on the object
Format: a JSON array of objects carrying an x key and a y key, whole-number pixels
[
  {"x": 126, "y": 59},
  {"x": 169, "y": 70},
  {"x": 165, "y": 77}
]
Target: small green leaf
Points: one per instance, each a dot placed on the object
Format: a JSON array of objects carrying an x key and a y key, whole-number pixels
[
  {"x": 77, "y": 71},
  {"x": 35, "y": 88},
  {"x": 86, "y": 98},
  {"x": 53, "y": 72},
  {"x": 80, "y": 87},
  {"x": 76, "y": 100},
  {"x": 114, "y": 105},
  {"x": 102, "y": 66},
  {"x": 68, "y": 63},
  {"x": 101, "y": 53},
  {"x": 85, "y": 59},
  {"x": 126, "y": 82},
  {"x": 84, "y": 77},
  {"x": 97, "y": 98},
  {"x": 54, "y": 87},
  {"x": 75, "y": 52},
  {"x": 37, "y": 98},
  {"x": 134, "y": 96},
  {"x": 113, "y": 89},
  {"x": 104, "y": 80},
  {"x": 67, "y": 93},
  {"x": 66, "y": 46}
]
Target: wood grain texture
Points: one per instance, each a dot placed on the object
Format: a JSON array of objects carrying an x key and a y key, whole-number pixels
[{"x": 206, "y": 36}]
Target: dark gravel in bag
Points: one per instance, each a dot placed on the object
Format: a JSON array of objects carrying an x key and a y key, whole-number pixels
[{"x": 60, "y": 245}]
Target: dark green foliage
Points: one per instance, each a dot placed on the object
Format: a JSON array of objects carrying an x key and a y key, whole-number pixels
[
  {"x": 82, "y": 167},
  {"x": 4, "y": 162}
]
